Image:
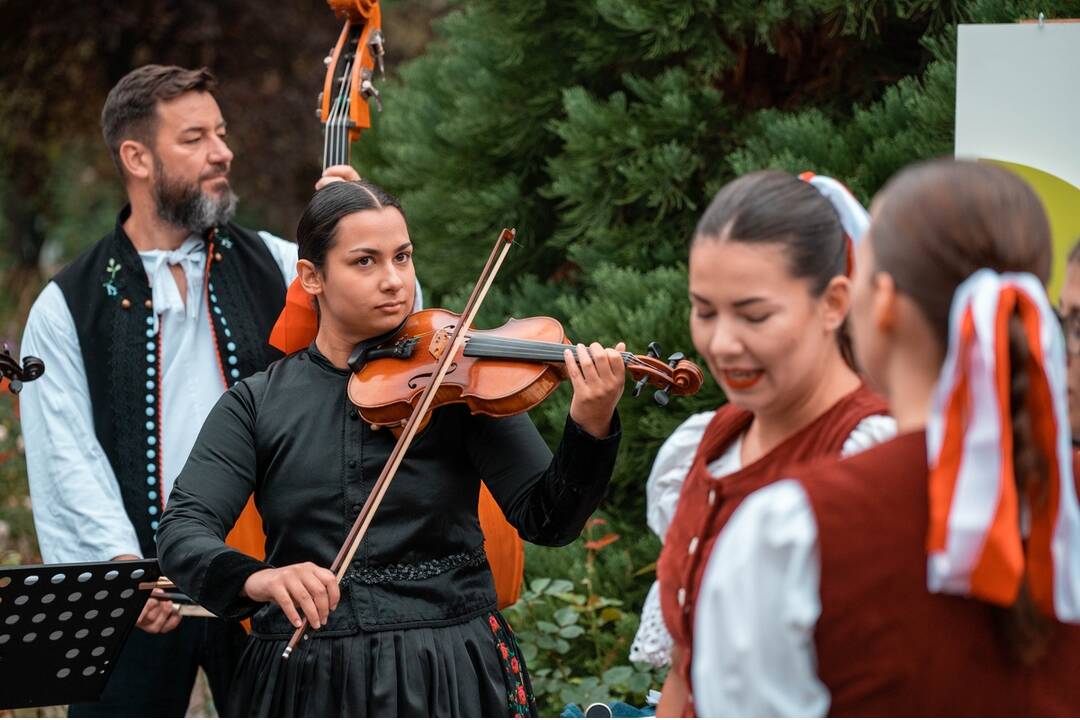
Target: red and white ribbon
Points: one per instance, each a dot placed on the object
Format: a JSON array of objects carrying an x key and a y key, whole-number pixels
[
  {"x": 853, "y": 216},
  {"x": 978, "y": 521}
]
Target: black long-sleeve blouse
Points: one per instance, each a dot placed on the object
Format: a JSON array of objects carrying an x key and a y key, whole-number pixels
[{"x": 290, "y": 436}]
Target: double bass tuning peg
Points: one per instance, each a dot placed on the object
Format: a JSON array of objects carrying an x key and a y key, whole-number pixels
[{"x": 378, "y": 50}]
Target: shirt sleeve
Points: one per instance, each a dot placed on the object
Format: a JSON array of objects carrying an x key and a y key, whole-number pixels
[
  {"x": 652, "y": 641},
  {"x": 284, "y": 252},
  {"x": 873, "y": 430},
  {"x": 209, "y": 495},
  {"x": 669, "y": 471},
  {"x": 78, "y": 512},
  {"x": 548, "y": 498},
  {"x": 754, "y": 651}
]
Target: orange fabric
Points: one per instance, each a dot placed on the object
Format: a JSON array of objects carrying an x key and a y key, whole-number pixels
[
  {"x": 247, "y": 534},
  {"x": 943, "y": 475},
  {"x": 1000, "y": 568},
  {"x": 247, "y": 537},
  {"x": 505, "y": 551},
  {"x": 295, "y": 329},
  {"x": 297, "y": 324}
]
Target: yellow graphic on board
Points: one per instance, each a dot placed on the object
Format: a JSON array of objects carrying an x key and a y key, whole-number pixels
[{"x": 1062, "y": 202}]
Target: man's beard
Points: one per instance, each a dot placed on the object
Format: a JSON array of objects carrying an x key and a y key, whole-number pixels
[{"x": 187, "y": 206}]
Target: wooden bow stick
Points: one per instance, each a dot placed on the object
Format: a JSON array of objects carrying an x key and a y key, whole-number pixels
[{"x": 412, "y": 426}]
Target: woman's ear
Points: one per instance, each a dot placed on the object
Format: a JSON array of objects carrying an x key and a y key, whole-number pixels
[
  {"x": 884, "y": 304},
  {"x": 310, "y": 277},
  {"x": 836, "y": 301}
]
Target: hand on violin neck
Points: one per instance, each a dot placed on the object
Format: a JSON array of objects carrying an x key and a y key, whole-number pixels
[
  {"x": 337, "y": 173},
  {"x": 598, "y": 375}
]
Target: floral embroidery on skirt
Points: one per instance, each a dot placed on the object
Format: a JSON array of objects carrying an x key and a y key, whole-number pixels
[{"x": 519, "y": 694}]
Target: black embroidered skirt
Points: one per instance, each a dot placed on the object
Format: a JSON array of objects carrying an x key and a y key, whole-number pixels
[{"x": 473, "y": 669}]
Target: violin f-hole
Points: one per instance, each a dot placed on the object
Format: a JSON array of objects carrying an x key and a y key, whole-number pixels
[{"x": 413, "y": 381}]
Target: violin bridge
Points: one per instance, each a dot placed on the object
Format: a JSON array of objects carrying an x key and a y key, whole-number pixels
[{"x": 439, "y": 340}]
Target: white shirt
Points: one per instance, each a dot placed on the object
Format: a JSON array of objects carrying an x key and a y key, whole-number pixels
[
  {"x": 652, "y": 642},
  {"x": 754, "y": 652},
  {"x": 78, "y": 511}
]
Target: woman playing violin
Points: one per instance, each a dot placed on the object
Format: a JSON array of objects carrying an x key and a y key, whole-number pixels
[{"x": 412, "y": 629}]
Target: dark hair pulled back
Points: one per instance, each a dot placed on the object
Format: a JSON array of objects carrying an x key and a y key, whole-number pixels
[
  {"x": 315, "y": 234},
  {"x": 935, "y": 224},
  {"x": 774, "y": 207}
]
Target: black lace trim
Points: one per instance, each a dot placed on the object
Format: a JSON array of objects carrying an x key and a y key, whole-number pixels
[{"x": 398, "y": 572}]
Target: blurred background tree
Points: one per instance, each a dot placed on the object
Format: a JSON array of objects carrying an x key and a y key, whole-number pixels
[{"x": 600, "y": 128}]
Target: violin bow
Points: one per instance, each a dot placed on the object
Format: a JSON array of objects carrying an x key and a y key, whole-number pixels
[{"x": 412, "y": 425}]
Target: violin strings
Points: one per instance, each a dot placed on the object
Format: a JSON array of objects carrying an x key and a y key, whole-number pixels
[
  {"x": 545, "y": 354},
  {"x": 526, "y": 349},
  {"x": 494, "y": 343}
]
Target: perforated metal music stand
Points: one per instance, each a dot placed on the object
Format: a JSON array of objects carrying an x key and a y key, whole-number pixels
[{"x": 63, "y": 626}]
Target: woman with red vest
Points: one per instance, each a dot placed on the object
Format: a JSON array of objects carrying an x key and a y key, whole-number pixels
[
  {"x": 933, "y": 574},
  {"x": 770, "y": 294}
]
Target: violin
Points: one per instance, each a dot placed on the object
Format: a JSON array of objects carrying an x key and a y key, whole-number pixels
[
  {"x": 500, "y": 372},
  {"x": 436, "y": 357},
  {"x": 16, "y": 374}
]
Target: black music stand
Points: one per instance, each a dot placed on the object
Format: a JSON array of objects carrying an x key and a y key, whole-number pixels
[{"x": 63, "y": 626}]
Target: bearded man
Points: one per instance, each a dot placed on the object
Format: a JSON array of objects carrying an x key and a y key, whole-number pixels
[{"x": 141, "y": 335}]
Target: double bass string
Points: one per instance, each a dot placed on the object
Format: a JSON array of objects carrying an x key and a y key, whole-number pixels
[{"x": 335, "y": 143}]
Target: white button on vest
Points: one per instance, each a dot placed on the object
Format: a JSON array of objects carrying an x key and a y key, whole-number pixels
[
  {"x": 682, "y": 597},
  {"x": 693, "y": 545},
  {"x": 712, "y": 498}
]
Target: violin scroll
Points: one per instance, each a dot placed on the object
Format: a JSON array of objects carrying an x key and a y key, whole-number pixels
[
  {"x": 31, "y": 369},
  {"x": 676, "y": 376}
]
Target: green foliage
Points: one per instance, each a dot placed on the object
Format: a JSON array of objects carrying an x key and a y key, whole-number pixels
[
  {"x": 574, "y": 636},
  {"x": 17, "y": 545}
]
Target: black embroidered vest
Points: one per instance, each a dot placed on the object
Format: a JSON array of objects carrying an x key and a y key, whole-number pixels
[{"x": 108, "y": 293}]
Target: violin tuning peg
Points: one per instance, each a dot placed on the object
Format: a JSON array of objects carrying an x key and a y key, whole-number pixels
[
  {"x": 674, "y": 359},
  {"x": 638, "y": 386},
  {"x": 654, "y": 349},
  {"x": 661, "y": 398}
]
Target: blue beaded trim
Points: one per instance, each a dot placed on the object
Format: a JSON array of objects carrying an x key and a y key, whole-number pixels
[
  {"x": 154, "y": 492},
  {"x": 232, "y": 372}
]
